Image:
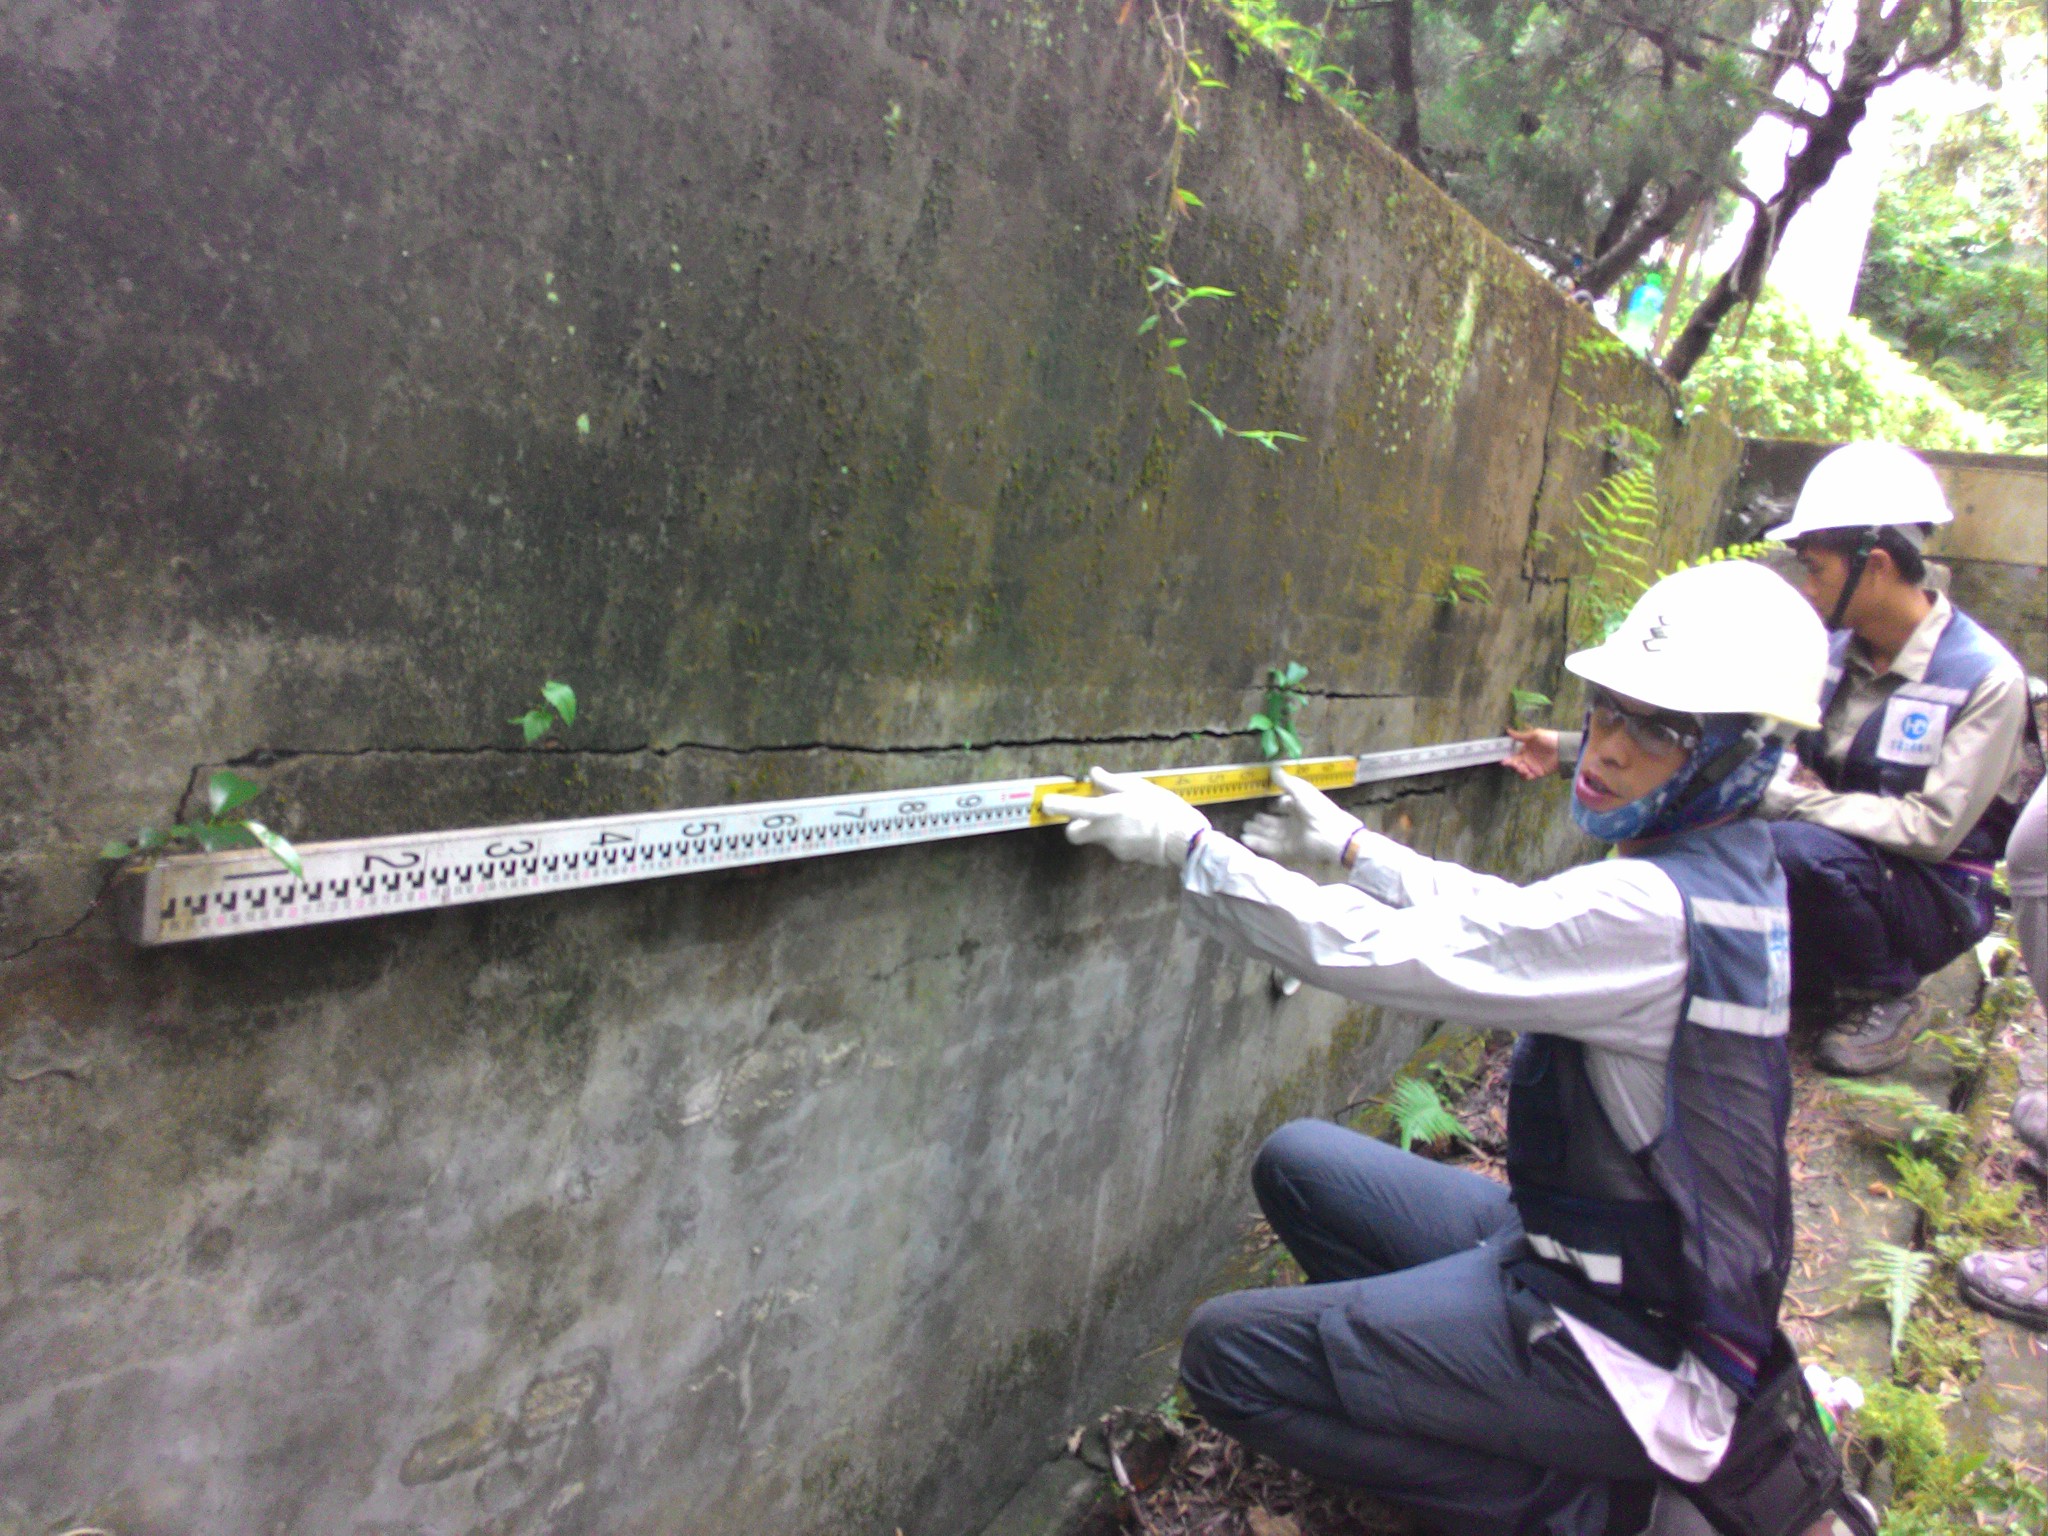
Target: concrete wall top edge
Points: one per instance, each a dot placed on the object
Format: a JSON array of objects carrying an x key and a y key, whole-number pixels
[{"x": 770, "y": 373}]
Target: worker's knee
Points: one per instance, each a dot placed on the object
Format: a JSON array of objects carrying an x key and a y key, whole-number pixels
[
  {"x": 1811, "y": 854},
  {"x": 1288, "y": 1153},
  {"x": 1210, "y": 1360},
  {"x": 1223, "y": 1356},
  {"x": 1198, "y": 1348}
]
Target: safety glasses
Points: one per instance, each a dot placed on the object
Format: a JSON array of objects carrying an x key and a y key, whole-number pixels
[{"x": 1660, "y": 735}]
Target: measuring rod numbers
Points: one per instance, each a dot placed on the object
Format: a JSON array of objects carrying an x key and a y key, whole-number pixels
[{"x": 213, "y": 895}]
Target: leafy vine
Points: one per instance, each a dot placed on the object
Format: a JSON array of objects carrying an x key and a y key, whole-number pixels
[{"x": 1184, "y": 76}]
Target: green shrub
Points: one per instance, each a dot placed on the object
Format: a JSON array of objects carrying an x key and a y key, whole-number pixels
[
  {"x": 1777, "y": 375},
  {"x": 1939, "y": 1493}
]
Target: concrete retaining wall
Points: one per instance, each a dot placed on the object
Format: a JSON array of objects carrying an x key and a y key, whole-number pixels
[{"x": 768, "y": 372}]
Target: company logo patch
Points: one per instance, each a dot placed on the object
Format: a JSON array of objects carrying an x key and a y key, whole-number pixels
[
  {"x": 1912, "y": 732},
  {"x": 1658, "y": 636}
]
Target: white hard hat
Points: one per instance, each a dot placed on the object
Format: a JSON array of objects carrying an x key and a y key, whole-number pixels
[
  {"x": 1730, "y": 638},
  {"x": 1867, "y": 485}
]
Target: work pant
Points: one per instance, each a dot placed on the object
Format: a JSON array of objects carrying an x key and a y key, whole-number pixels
[
  {"x": 2026, "y": 871},
  {"x": 1864, "y": 920},
  {"x": 1411, "y": 1365}
]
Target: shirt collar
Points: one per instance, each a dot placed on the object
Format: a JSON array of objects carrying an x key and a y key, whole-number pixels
[{"x": 1914, "y": 655}]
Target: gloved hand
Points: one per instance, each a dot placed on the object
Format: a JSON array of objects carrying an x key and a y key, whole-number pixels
[
  {"x": 1130, "y": 816},
  {"x": 1307, "y": 824}
]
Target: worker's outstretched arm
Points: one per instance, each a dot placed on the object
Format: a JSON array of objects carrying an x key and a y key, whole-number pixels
[
  {"x": 1307, "y": 826},
  {"x": 1597, "y": 953}
]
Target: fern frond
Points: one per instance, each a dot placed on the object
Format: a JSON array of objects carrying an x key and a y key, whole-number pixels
[
  {"x": 1895, "y": 1276},
  {"x": 1925, "y": 1126},
  {"x": 1617, "y": 522},
  {"x": 1924, "y": 1186},
  {"x": 1419, "y": 1115},
  {"x": 1901, "y": 1095}
]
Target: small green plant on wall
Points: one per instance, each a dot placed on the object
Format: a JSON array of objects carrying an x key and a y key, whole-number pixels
[
  {"x": 1465, "y": 584},
  {"x": 1275, "y": 723},
  {"x": 1526, "y": 704},
  {"x": 558, "y": 704},
  {"x": 1617, "y": 525},
  {"x": 224, "y": 826}
]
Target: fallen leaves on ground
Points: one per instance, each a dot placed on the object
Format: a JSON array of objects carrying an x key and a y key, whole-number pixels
[{"x": 1215, "y": 1487}]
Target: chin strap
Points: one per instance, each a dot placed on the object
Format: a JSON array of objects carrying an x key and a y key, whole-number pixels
[
  {"x": 1857, "y": 563},
  {"x": 1754, "y": 738},
  {"x": 1723, "y": 763}
]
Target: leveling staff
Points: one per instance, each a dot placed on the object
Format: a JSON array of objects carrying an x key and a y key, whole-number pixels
[{"x": 1556, "y": 1356}]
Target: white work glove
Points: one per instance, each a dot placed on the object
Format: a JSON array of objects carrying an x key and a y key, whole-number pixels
[
  {"x": 1130, "y": 816},
  {"x": 1307, "y": 824}
]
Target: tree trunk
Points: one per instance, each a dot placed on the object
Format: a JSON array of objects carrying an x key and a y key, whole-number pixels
[
  {"x": 1805, "y": 174},
  {"x": 1401, "y": 68},
  {"x": 1625, "y": 208},
  {"x": 1608, "y": 268},
  {"x": 1866, "y": 65}
]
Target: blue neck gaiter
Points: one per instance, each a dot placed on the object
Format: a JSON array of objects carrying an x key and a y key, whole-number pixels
[{"x": 1669, "y": 808}]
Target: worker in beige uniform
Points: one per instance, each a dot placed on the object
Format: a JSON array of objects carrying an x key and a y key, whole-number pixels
[{"x": 1892, "y": 815}]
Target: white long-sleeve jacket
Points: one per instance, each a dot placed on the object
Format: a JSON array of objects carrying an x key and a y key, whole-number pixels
[{"x": 1596, "y": 954}]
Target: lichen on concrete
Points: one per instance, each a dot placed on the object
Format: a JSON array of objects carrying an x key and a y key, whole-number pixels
[{"x": 768, "y": 373}]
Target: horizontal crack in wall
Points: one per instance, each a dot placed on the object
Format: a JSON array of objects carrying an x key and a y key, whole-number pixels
[
  {"x": 265, "y": 757},
  {"x": 78, "y": 922}
]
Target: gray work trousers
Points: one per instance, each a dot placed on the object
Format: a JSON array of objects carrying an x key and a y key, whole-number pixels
[
  {"x": 1411, "y": 1365},
  {"x": 2026, "y": 870}
]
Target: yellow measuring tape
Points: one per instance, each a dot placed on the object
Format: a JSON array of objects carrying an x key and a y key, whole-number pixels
[{"x": 1213, "y": 786}]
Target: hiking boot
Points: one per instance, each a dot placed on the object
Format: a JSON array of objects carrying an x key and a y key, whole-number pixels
[
  {"x": 2030, "y": 1121},
  {"x": 1873, "y": 1033},
  {"x": 2013, "y": 1286}
]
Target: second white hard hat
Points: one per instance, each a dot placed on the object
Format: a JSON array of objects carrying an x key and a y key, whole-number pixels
[
  {"x": 1729, "y": 638},
  {"x": 1867, "y": 485}
]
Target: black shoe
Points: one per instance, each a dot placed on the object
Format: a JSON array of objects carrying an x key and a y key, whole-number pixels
[{"x": 1872, "y": 1034}]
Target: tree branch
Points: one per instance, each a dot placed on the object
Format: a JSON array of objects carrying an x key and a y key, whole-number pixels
[
  {"x": 1806, "y": 172},
  {"x": 1664, "y": 37},
  {"x": 1401, "y": 70},
  {"x": 1798, "y": 117},
  {"x": 1951, "y": 40},
  {"x": 1610, "y": 266},
  {"x": 1626, "y": 206}
]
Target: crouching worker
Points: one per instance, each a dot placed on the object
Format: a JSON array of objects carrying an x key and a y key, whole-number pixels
[
  {"x": 1889, "y": 817},
  {"x": 1536, "y": 1358},
  {"x": 1917, "y": 774}
]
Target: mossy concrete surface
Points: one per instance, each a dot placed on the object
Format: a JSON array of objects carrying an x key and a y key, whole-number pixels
[{"x": 769, "y": 373}]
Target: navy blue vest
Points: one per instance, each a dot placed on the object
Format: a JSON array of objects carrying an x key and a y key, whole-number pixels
[
  {"x": 1894, "y": 748},
  {"x": 1686, "y": 1243}
]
